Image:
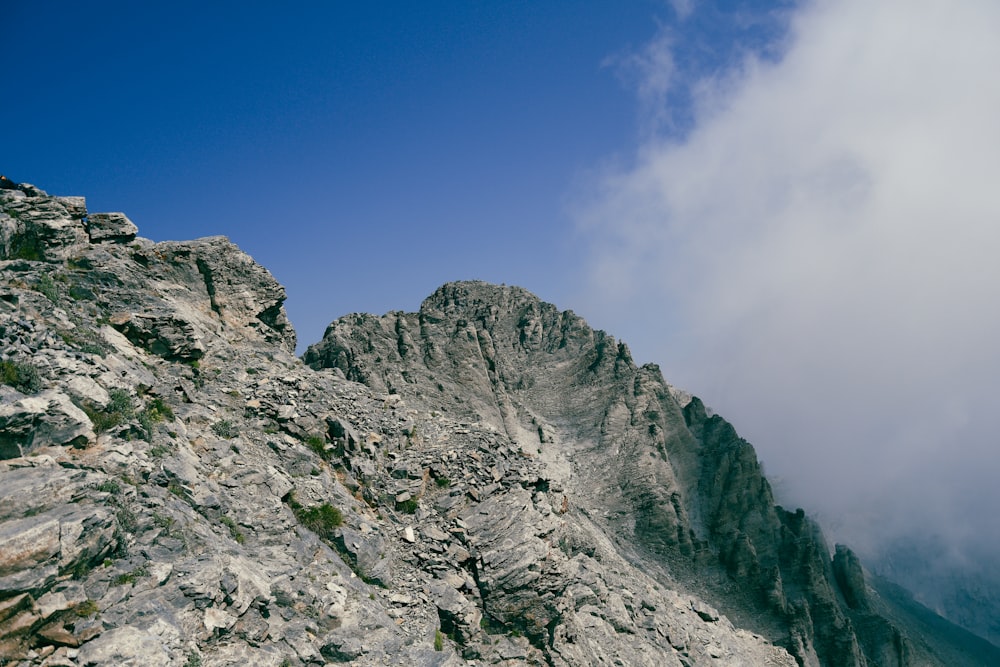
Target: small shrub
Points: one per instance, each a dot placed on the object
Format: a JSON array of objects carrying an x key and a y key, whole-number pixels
[
  {"x": 408, "y": 506},
  {"x": 234, "y": 530},
  {"x": 119, "y": 401},
  {"x": 23, "y": 377},
  {"x": 130, "y": 577},
  {"x": 118, "y": 410},
  {"x": 85, "y": 609},
  {"x": 159, "y": 451},
  {"x": 155, "y": 411},
  {"x": 443, "y": 482},
  {"x": 194, "y": 660},
  {"x": 321, "y": 519},
  {"x": 110, "y": 486},
  {"x": 47, "y": 287},
  {"x": 103, "y": 421},
  {"x": 159, "y": 410},
  {"x": 317, "y": 443},
  {"x": 438, "y": 641},
  {"x": 225, "y": 429}
]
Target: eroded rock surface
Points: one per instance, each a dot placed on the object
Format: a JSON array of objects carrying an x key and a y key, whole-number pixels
[
  {"x": 505, "y": 487},
  {"x": 668, "y": 483}
]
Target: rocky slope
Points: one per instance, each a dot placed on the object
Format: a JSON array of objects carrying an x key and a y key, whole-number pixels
[
  {"x": 673, "y": 486},
  {"x": 486, "y": 482}
]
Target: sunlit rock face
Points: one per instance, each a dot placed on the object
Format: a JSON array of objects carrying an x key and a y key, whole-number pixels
[{"x": 486, "y": 481}]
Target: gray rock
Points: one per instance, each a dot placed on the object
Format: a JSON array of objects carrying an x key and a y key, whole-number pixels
[
  {"x": 168, "y": 335},
  {"x": 34, "y": 226},
  {"x": 850, "y": 578},
  {"x": 110, "y": 228},
  {"x": 125, "y": 646},
  {"x": 245, "y": 508},
  {"x": 47, "y": 419},
  {"x": 368, "y": 555}
]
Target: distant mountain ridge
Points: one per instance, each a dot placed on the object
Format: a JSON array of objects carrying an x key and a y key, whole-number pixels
[{"x": 486, "y": 481}]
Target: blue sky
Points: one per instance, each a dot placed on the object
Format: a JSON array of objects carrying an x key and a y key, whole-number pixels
[
  {"x": 364, "y": 152},
  {"x": 790, "y": 206}
]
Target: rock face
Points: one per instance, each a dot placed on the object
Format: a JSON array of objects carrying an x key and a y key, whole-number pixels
[
  {"x": 488, "y": 481},
  {"x": 647, "y": 464}
]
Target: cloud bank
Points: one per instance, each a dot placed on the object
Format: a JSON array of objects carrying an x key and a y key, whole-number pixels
[{"x": 819, "y": 258}]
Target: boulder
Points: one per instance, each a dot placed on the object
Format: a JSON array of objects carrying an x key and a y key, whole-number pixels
[
  {"x": 46, "y": 419},
  {"x": 366, "y": 554},
  {"x": 110, "y": 228},
  {"x": 168, "y": 335},
  {"x": 850, "y": 578},
  {"x": 41, "y": 228},
  {"x": 125, "y": 646}
]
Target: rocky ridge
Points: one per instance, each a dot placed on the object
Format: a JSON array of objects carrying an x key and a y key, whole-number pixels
[
  {"x": 176, "y": 488},
  {"x": 671, "y": 485},
  {"x": 179, "y": 489}
]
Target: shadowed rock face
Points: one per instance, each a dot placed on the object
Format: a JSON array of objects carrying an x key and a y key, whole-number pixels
[{"x": 505, "y": 487}]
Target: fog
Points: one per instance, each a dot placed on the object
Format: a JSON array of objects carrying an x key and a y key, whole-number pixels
[{"x": 818, "y": 258}]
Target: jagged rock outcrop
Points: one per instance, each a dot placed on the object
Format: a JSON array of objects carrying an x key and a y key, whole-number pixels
[
  {"x": 176, "y": 488},
  {"x": 649, "y": 464}
]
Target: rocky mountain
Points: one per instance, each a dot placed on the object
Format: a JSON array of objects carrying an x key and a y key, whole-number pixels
[{"x": 486, "y": 481}]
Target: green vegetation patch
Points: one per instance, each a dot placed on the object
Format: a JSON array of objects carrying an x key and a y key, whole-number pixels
[
  {"x": 131, "y": 577},
  {"x": 20, "y": 376},
  {"x": 86, "y": 608},
  {"x": 155, "y": 411},
  {"x": 234, "y": 529},
  {"x": 118, "y": 410},
  {"x": 225, "y": 429},
  {"x": 317, "y": 444},
  {"x": 47, "y": 287},
  {"x": 408, "y": 506},
  {"x": 321, "y": 519}
]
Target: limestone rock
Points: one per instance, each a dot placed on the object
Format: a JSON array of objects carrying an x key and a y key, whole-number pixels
[
  {"x": 647, "y": 462},
  {"x": 110, "y": 228},
  {"x": 367, "y": 554},
  {"x": 506, "y": 487},
  {"x": 34, "y": 226},
  {"x": 125, "y": 646},
  {"x": 850, "y": 579},
  {"x": 168, "y": 335},
  {"x": 47, "y": 419}
]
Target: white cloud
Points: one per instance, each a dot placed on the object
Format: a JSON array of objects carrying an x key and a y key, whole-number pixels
[
  {"x": 819, "y": 258},
  {"x": 653, "y": 74},
  {"x": 682, "y": 8}
]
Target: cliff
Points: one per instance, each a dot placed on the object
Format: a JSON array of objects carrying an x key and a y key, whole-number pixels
[{"x": 487, "y": 481}]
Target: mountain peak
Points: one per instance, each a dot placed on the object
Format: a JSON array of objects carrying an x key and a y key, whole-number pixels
[{"x": 486, "y": 481}]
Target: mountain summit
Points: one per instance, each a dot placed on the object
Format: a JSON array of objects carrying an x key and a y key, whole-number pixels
[{"x": 486, "y": 481}]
